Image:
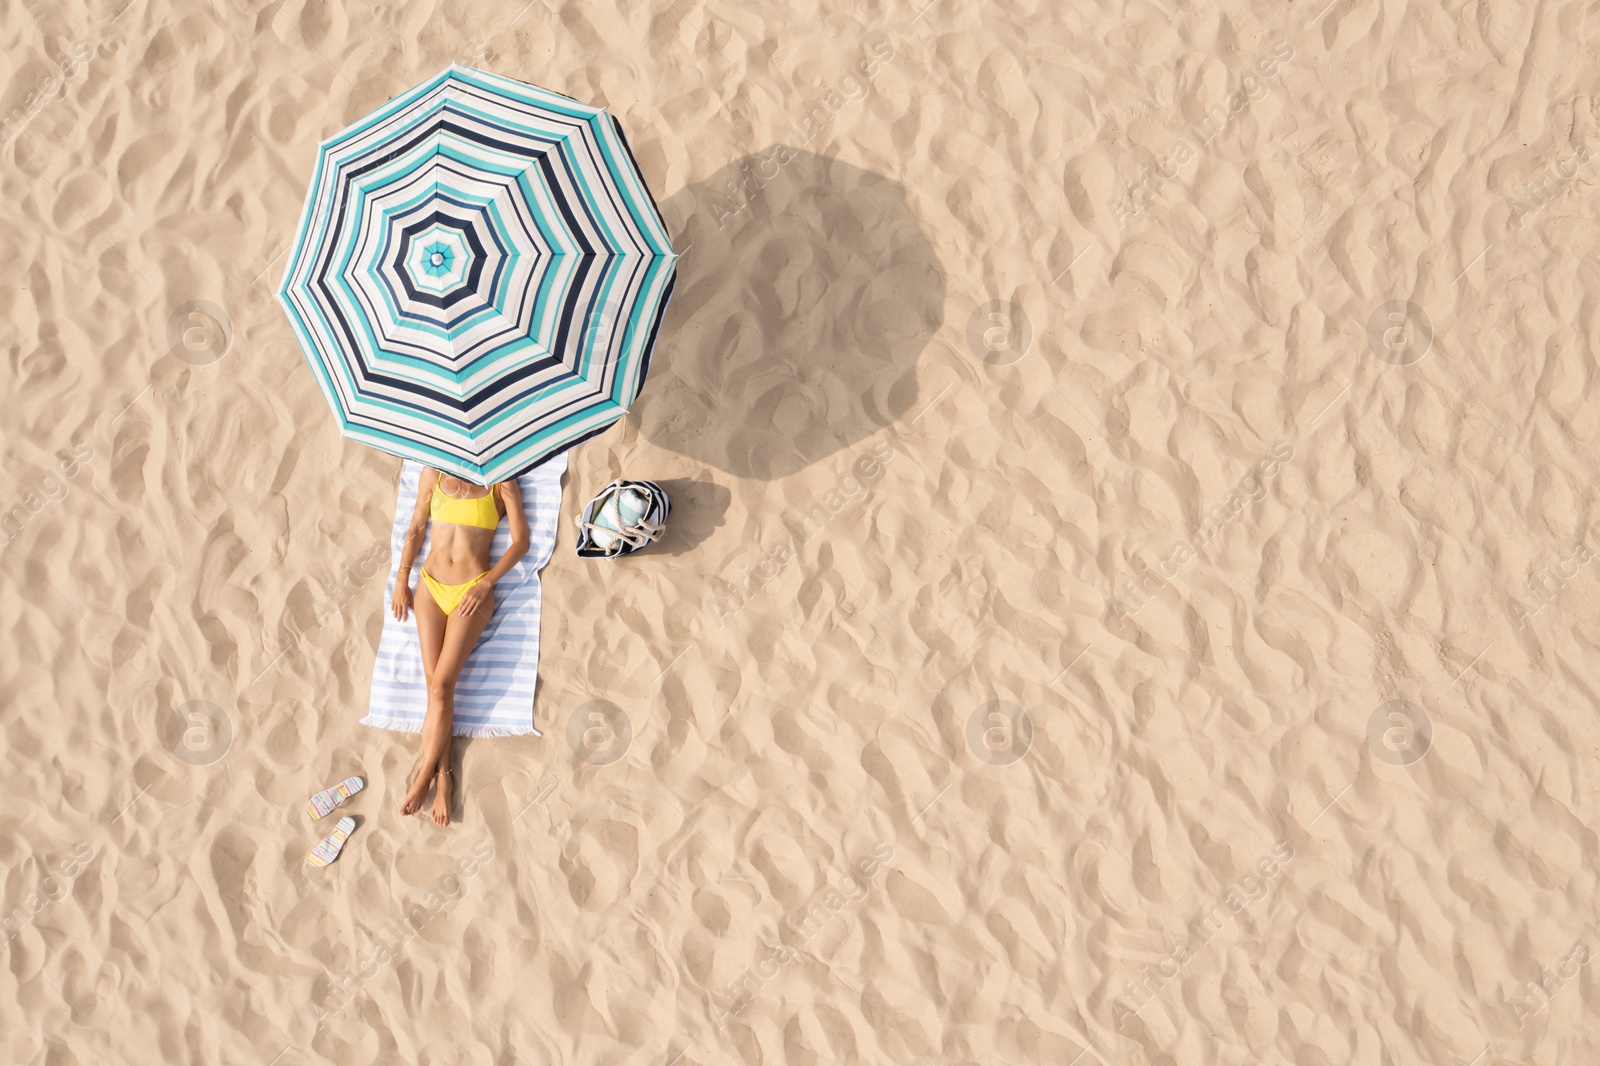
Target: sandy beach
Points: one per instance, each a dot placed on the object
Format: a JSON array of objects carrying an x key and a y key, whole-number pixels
[{"x": 1130, "y": 594}]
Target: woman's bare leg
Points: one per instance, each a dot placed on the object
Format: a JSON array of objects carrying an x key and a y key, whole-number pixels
[
  {"x": 460, "y": 634},
  {"x": 431, "y": 624}
]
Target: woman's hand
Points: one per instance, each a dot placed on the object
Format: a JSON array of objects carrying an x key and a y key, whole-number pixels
[
  {"x": 401, "y": 603},
  {"x": 474, "y": 597}
]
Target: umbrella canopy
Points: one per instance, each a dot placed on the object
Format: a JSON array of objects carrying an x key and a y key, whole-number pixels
[{"x": 479, "y": 275}]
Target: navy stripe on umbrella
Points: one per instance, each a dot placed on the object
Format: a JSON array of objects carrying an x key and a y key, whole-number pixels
[{"x": 479, "y": 275}]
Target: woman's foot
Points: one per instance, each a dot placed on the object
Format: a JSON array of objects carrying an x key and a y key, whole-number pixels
[
  {"x": 441, "y": 798},
  {"x": 419, "y": 791}
]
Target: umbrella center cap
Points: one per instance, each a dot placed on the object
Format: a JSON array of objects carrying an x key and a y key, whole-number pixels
[{"x": 437, "y": 258}]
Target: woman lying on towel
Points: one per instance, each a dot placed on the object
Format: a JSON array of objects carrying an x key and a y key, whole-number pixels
[{"x": 453, "y": 602}]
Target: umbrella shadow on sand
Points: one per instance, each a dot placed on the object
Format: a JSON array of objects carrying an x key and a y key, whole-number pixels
[{"x": 806, "y": 293}]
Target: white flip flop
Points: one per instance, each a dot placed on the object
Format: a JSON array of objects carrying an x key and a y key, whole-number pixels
[
  {"x": 328, "y": 800},
  {"x": 327, "y": 851}
]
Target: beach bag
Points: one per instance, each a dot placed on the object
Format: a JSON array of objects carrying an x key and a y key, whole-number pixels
[{"x": 626, "y": 516}]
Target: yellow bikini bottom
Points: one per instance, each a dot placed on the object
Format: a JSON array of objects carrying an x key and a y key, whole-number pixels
[{"x": 448, "y": 597}]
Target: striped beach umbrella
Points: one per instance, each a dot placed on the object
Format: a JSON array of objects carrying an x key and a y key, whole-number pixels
[{"x": 479, "y": 275}]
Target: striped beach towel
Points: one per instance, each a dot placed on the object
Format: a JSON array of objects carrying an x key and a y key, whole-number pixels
[{"x": 494, "y": 696}]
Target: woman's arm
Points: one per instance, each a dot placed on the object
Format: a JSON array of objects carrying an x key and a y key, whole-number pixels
[
  {"x": 401, "y": 602},
  {"x": 511, "y": 496}
]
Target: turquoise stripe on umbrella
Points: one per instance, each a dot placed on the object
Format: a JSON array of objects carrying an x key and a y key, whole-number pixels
[{"x": 479, "y": 275}]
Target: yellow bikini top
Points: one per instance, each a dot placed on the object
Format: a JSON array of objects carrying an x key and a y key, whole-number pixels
[{"x": 479, "y": 511}]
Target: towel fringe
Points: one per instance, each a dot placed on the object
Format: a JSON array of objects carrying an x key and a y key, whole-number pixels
[
  {"x": 494, "y": 731},
  {"x": 412, "y": 725},
  {"x": 399, "y": 725}
]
